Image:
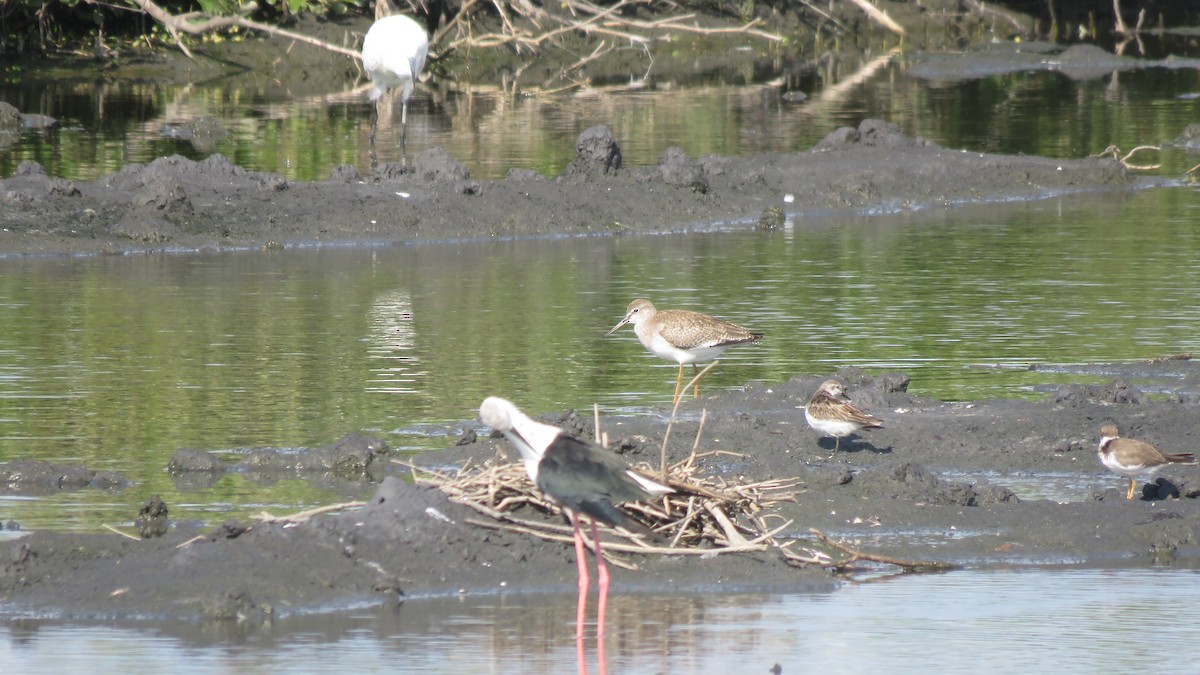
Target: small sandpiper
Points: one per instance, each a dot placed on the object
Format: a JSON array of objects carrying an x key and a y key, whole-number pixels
[
  {"x": 1131, "y": 458},
  {"x": 682, "y": 336},
  {"x": 830, "y": 412}
]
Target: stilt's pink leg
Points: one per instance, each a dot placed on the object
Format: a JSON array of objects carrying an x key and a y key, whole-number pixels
[
  {"x": 602, "y": 664},
  {"x": 581, "y": 656},
  {"x": 581, "y": 559},
  {"x": 602, "y": 582}
]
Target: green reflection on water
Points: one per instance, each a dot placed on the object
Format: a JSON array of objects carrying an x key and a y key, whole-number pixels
[
  {"x": 118, "y": 362},
  {"x": 106, "y": 125}
]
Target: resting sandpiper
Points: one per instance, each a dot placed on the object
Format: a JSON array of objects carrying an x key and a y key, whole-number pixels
[{"x": 830, "y": 412}]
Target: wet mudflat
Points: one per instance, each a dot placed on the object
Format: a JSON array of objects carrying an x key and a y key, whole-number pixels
[{"x": 410, "y": 542}]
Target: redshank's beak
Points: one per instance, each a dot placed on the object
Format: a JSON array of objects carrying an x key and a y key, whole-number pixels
[{"x": 620, "y": 323}]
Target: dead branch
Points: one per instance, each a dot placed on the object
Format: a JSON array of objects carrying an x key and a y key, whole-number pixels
[
  {"x": 732, "y": 535},
  {"x": 1121, "y": 27},
  {"x": 853, "y": 556},
  {"x": 879, "y": 16},
  {"x": 306, "y": 515},
  {"x": 189, "y": 542},
  {"x": 986, "y": 9},
  {"x": 1115, "y": 152},
  {"x": 696, "y": 527},
  {"x": 585, "y": 17},
  {"x": 524, "y": 27},
  {"x": 198, "y": 23}
]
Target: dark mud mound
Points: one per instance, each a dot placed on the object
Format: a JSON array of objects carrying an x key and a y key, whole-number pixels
[
  {"x": 29, "y": 477},
  {"x": 175, "y": 204},
  {"x": 353, "y": 455}
]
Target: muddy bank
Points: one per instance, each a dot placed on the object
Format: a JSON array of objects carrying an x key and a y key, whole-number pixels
[
  {"x": 175, "y": 204},
  {"x": 932, "y": 484}
]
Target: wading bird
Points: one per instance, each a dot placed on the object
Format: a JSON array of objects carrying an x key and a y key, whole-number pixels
[
  {"x": 682, "y": 336},
  {"x": 393, "y": 54},
  {"x": 580, "y": 476}
]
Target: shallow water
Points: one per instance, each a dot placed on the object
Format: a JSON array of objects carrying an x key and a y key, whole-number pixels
[
  {"x": 106, "y": 123},
  {"x": 999, "y": 620}
]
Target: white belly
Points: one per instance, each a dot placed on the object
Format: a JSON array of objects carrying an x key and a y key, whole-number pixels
[
  {"x": 665, "y": 350},
  {"x": 1129, "y": 471},
  {"x": 838, "y": 428}
]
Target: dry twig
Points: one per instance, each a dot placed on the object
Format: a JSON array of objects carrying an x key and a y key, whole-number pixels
[
  {"x": 306, "y": 515},
  {"x": 123, "y": 534},
  {"x": 879, "y": 16},
  {"x": 1115, "y": 152},
  {"x": 197, "y": 23},
  {"x": 852, "y": 556}
]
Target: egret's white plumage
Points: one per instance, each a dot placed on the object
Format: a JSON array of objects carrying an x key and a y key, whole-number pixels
[{"x": 393, "y": 55}]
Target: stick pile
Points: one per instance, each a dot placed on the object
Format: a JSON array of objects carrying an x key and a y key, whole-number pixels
[{"x": 706, "y": 516}]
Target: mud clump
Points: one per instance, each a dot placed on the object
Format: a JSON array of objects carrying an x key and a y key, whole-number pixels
[
  {"x": 353, "y": 455},
  {"x": 679, "y": 171},
  {"x": 151, "y": 520},
  {"x": 435, "y": 164},
  {"x": 40, "y": 477},
  {"x": 597, "y": 154}
]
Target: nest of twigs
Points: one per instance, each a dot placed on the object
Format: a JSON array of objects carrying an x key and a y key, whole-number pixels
[{"x": 705, "y": 516}]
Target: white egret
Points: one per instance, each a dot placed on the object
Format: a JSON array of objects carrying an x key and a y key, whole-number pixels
[{"x": 393, "y": 54}]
